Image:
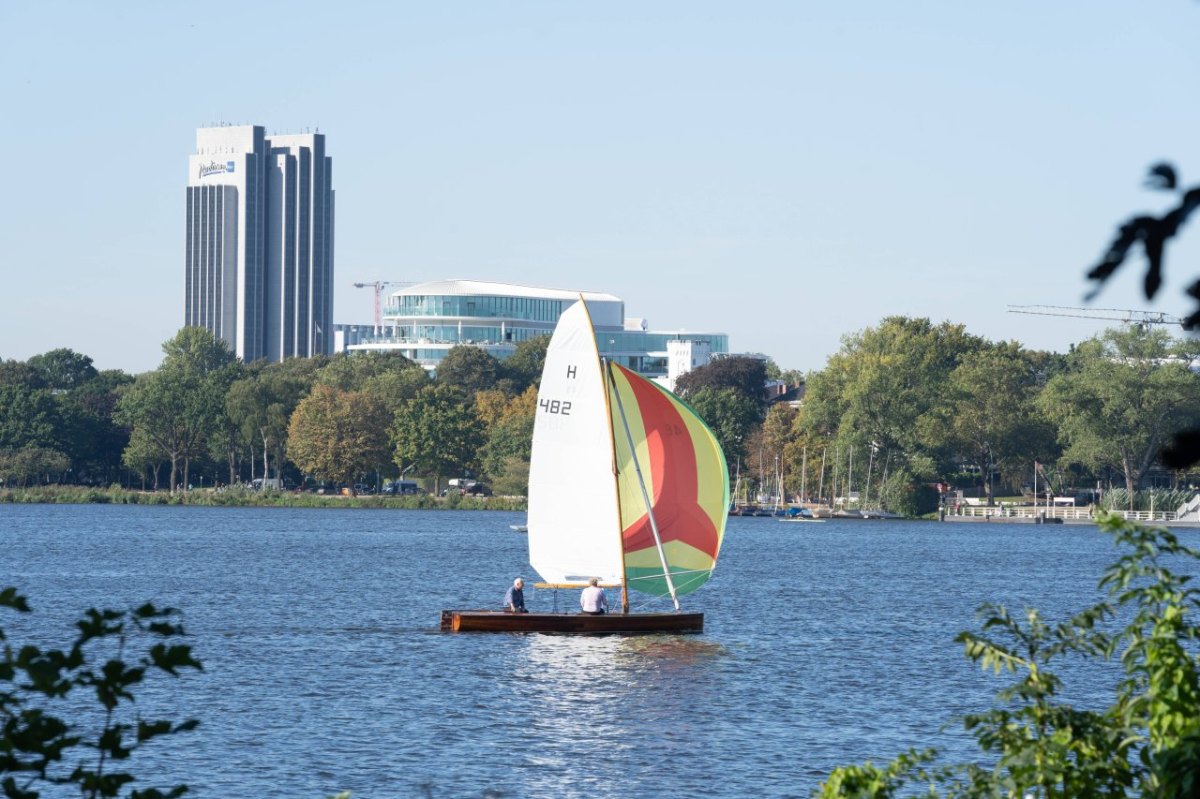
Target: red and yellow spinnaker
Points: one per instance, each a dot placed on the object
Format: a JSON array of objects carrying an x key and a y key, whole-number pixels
[{"x": 685, "y": 475}]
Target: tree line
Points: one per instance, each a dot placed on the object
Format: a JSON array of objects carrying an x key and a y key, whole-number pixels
[
  {"x": 908, "y": 404},
  {"x": 203, "y": 416},
  {"x": 899, "y": 408}
]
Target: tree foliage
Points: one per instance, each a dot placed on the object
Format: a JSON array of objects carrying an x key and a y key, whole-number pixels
[
  {"x": 987, "y": 415},
  {"x": 883, "y": 380},
  {"x": 29, "y": 417},
  {"x": 338, "y": 435},
  {"x": 747, "y": 376},
  {"x": 94, "y": 439},
  {"x": 22, "y": 466},
  {"x": 523, "y": 368},
  {"x": 437, "y": 433},
  {"x": 731, "y": 415},
  {"x": 469, "y": 369},
  {"x": 178, "y": 405},
  {"x": 392, "y": 388},
  {"x": 41, "y": 690},
  {"x": 142, "y": 453},
  {"x": 1124, "y": 394},
  {"x": 504, "y": 458},
  {"x": 351, "y": 372},
  {"x": 261, "y": 404},
  {"x": 63, "y": 369},
  {"x": 1154, "y": 234}
]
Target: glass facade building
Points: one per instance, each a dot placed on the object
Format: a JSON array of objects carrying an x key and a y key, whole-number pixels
[{"x": 426, "y": 320}]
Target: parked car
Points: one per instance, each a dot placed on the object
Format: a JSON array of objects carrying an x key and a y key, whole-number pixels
[{"x": 469, "y": 487}]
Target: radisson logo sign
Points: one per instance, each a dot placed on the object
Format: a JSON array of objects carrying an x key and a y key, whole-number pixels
[{"x": 214, "y": 168}]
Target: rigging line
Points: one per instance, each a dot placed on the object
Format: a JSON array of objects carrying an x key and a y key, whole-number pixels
[
  {"x": 662, "y": 556},
  {"x": 612, "y": 448},
  {"x": 676, "y": 572}
]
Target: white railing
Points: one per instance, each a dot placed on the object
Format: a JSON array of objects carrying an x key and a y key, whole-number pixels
[{"x": 1029, "y": 512}]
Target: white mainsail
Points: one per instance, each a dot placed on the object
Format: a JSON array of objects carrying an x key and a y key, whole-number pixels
[{"x": 574, "y": 523}]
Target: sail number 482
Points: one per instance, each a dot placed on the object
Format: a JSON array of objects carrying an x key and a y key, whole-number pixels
[{"x": 555, "y": 406}]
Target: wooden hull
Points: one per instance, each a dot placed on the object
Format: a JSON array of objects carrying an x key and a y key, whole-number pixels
[{"x": 494, "y": 621}]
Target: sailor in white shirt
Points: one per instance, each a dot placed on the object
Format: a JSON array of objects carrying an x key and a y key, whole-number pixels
[{"x": 593, "y": 601}]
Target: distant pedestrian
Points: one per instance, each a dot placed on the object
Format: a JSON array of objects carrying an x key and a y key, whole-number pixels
[
  {"x": 593, "y": 600},
  {"x": 514, "y": 599}
]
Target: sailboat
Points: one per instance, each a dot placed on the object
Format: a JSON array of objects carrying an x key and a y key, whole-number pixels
[{"x": 626, "y": 485}]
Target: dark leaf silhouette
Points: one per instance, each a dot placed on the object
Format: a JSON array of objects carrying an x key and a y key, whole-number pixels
[
  {"x": 1153, "y": 233},
  {"x": 1162, "y": 176},
  {"x": 1193, "y": 319},
  {"x": 1183, "y": 451}
]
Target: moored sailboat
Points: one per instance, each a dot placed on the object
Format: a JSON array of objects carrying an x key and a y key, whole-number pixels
[{"x": 650, "y": 479}]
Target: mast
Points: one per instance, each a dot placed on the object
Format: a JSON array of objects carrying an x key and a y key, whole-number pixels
[
  {"x": 617, "y": 488},
  {"x": 850, "y": 479},
  {"x": 662, "y": 555},
  {"x": 616, "y": 482},
  {"x": 870, "y": 466},
  {"x": 804, "y": 476},
  {"x": 821, "y": 479},
  {"x": 837, "y": 465}
]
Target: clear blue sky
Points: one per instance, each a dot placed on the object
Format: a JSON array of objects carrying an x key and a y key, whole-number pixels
[{"x": 785, "y": 172}]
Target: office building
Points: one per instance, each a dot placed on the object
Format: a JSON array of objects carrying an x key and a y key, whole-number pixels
[
  {"x": 259, "y": 261},
  {"x": 426, "y": 320}
]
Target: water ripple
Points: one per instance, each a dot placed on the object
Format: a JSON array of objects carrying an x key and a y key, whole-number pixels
[{"x": 325, "y": 670}]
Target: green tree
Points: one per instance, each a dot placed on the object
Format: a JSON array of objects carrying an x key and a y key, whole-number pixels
[
  {"x": 180, "y": 404},
  {"x": 261, "y": 404},
  {"x": 22, "y": 466},
  {"x": 29, "y": 417},
  {"x": 747, "y": 376},
  {"x": 143, "y": 452},
  {"x": 350, "y": 372},
  {"x": 395, "y": 387},
  {"x": 437, "y": 434},
  {"x": 20, "y": 373},
  {"x": 731, "y": 415},
  {"x": 510, "y": 478},
  {"x": 987, "y": 415},
  {"x": 63, "y": 369},
  {"x": 469, "y": 369},
  {"x": 882, "y": 381},
  {"x": 95, "y": 439},
  {"x": 41, "y": 748},
  {"x": 504, "y": 458},
  {"x": 903, "y": 491},
  {"x": 779, "y": 428},
  {"x": 1124, "y": 394},
  {"x": 523, "y": 368},
  {"x": 338, "y": 435}
]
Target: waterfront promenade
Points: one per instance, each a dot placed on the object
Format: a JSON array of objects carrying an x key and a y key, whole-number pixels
[{"x": 1069, "y": 515}]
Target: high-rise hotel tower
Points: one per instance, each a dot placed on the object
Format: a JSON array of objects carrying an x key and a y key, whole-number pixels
[{"x": 260, "y": 241}]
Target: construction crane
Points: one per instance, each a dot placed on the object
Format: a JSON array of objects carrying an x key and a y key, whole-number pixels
[
  {"x": 379, "y": 286},
  {"x": 1142, "y": 319}
]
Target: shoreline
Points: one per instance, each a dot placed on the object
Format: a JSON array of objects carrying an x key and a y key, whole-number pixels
[
  {"x": 1172, "y": 524},
  {"x": 80, "y": 495}
]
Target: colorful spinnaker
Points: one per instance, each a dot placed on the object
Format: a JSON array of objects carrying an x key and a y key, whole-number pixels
[
  {"x": 626, "y": 483},
  {"x": 682, "y": 467}
]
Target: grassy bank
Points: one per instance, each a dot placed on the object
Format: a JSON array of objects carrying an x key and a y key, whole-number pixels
[{"x": 80, "y": 495}]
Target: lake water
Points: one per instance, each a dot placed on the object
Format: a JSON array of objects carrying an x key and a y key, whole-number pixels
[{"x": 824, "y": 644}]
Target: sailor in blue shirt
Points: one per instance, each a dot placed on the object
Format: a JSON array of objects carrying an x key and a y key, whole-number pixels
[{"x": 514, "y": 600}]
